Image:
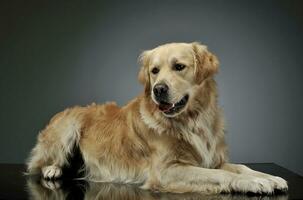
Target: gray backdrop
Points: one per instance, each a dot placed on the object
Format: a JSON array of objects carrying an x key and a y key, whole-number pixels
[{"x": 59, "y": 54}]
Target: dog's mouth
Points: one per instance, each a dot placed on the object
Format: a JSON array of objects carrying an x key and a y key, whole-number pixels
[{"x": 171, "y": 109}]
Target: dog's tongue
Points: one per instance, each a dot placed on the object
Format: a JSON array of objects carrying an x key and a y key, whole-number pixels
[{"x": 165, "y": 107}]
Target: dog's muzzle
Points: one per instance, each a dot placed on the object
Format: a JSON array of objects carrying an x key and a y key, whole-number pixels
[
  {"x": 161, "y": 94},
  {"x": 171, "y": 109}
]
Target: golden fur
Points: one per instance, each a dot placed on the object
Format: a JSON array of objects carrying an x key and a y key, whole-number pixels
[{"x": 138, "y": 143}]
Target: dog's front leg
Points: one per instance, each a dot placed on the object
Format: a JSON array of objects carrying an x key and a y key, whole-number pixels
[
  {"x": 274, "y": 182},
  {"x": 181, "y": 179}
]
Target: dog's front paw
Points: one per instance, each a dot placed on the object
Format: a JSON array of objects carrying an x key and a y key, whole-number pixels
[
  {"x": 246, "y": 183},
  {"x": 51, "y": 172},
  {"x": 278, "y": 183}
]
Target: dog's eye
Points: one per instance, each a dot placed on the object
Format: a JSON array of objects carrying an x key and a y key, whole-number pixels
[
  {"x": 155, "y": 70},
  {"x": 179, "y": 67}
]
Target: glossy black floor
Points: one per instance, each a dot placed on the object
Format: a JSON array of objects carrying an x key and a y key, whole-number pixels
[{"x": 15, "y": 185}]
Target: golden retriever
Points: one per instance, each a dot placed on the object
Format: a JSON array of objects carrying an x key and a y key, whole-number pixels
[{"x": 170, "y": 138}]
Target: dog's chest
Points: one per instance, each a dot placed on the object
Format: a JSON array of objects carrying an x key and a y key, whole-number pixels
[
  {"x": 196, "y": 131},
  {"x": 202, "y": 139}
]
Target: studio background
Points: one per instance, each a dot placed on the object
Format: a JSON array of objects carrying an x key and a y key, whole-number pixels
[{"x": 60, "y": 54}]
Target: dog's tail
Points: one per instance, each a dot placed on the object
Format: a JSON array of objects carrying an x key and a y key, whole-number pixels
[{"x": 57, "y": 141}]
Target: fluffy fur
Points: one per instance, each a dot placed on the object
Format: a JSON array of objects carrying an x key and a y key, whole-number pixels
[{"x": 138, "y": 143}]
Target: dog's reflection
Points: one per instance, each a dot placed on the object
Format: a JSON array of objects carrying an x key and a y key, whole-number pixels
[{"x": 51, "y": 190}]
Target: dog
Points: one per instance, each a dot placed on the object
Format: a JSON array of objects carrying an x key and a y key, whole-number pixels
[{"x": 169, "y": 139}]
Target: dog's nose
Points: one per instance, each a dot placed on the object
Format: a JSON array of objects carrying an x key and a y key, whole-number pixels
[{"x": 160, "y": 90}]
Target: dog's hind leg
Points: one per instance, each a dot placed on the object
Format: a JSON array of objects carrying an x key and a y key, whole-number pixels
[{"x": 55, "y": 144}]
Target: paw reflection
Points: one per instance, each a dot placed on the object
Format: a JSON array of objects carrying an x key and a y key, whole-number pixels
[
  {"x": 51, "y": 184},
  {"x": 51, "y": 190},
  {"x": 45, "y": 189}
]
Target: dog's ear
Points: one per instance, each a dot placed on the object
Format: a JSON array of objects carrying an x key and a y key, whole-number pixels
[
  {"x": 143, "y": 75},
  {"x": 207, "y": 63}
]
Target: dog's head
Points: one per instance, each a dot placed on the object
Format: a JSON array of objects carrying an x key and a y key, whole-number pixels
[{"x": 172, "y": 72}]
